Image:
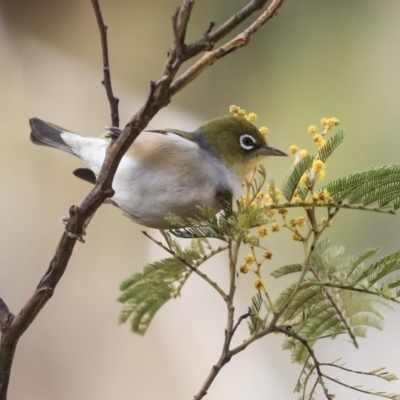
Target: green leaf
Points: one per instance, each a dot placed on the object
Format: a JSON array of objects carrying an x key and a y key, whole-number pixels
[
  {"x": 195, "y": 232},
  {"x": 356, "y": 262},
  {"x": 256, "y": 323},
  {"x": 144, "y": 293},
  {"x": 331, "y": 144},
  {"x": 321, "y": 246},
  {"x": 300, "y": 304},
  {"x": 381, "y": 268},
  {"x": 286, "y": 269},
  {"x": 359, "y": 310},
  {"x": 377, "y": 185},
  {"x": 292, "y": 179},
  {"x": 333, "y": 304}
]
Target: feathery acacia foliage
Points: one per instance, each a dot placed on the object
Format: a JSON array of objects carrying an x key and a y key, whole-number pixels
[
  {"x": 331, "y": 294},
  {"x": 145, "y": 292}
]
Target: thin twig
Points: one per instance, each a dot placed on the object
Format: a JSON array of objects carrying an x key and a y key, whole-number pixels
[
  {"x": 357, "y": 389},
  {"x": 329, "y": 206},
  {"x": 236, "y": 43},
  {"x": 241, "y": 318},
  {"x": 354, "y": 371},
  {"x": 202, "y": 275},
  {"x": 349, "y": 288},
  {"x": 207, "y": 42},
  {"x": 106, "y": 65},
  {"x": 311, "y": 352},
  {"x": 230, "y": 329}
]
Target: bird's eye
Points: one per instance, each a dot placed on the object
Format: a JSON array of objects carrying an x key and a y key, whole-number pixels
[{"x": 247, "y": 142}]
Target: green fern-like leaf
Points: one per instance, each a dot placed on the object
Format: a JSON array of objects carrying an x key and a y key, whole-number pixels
[
  {"x": 370, "y": 274},
  {"x": 292, "y": 179},
  {"x": 377, "y": 185},
  {"x": 196, "y": 232},
  {"x": 144, "y": 293},
  {"x": 258, "y": 184},
  {"x": 347, "y": 297},
  {"x": 359, "y": 310},
  {"x": 287, "y": 269},
  {"x": 331, "y": 145},
  {"x": 257, "y": 323},
  {"x": 352, "y": 264}
]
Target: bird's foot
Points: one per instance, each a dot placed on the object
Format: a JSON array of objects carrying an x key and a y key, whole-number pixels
[
  {"x": 78, "y": 236},
  {"x": 113, "y": 132}
]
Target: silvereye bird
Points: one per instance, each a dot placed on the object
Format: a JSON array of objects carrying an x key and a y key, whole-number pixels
[{"x": 169, "y": 171}]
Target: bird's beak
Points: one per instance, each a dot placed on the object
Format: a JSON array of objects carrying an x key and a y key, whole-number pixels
[{"x": 270, "y": 151}]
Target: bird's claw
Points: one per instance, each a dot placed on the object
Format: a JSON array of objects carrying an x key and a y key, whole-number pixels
[
  {"x": 77, "y": 236},
  {"x": 113, "y": 132}
]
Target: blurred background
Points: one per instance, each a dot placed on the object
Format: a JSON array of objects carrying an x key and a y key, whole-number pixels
[{"x": 317, "y": 58}]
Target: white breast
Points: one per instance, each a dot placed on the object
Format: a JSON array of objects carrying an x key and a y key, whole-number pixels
[
  {"x": 168, "y": 174},
  {"x": 160, "y": 174}
]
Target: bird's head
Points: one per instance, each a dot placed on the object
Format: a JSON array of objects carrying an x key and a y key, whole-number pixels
[{"x": 236, "y": 142}]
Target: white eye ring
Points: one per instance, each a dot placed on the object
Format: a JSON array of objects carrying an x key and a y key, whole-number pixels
[{"x": 247, "y": 142}]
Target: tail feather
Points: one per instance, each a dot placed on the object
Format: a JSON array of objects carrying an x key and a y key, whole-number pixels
[{"x": 46, "y": 134}]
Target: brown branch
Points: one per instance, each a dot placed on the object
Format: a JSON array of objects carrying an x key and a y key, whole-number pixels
[
  {"x": 161, "y": 92},
  {"x": 311, "y": 352},
  {"x": 236, "y": 43},
  {"x": 7, "y": 351},
  {"x": 5, "y": 316},
  {"x": 106, "y": 65},
  {"x": 231, "y": 327},
  {"x": 211, "y": 37}
]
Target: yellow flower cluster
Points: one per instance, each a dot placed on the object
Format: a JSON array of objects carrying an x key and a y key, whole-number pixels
[
  {"x": 298, "y": 154},
  {"x": 306, "y": 180},
  {"x": 297, "y": 199},
  {"x": 297, "y": 237},
  {"x": 324, "y": 221},
  {"x": 283, "y": 211},
  {"x": 321, "y": 197},
  {"x": 249, "y": 259},
  {"x": 237, "y": 111},
  {"x": 273, "y": 196},
  {"x": 263, "y": 200},
  {"x": 299, "y": 221},
  {"x": 293, "y": 149},
  {"x": 259, "y": 284},
  {"x": 330, "y": 122},
  {"x": 240, "y": 112},
  {"x": 319, "y": 140},
  {"x": 251, "y": 116},
  {"x": 244, "y": 269},
  {"x": 317, "y": 173},
  {"x": 262, "y": 231},
  {"x": 268, "y": 255},
  {"x": 303, "y": 153},
  {"x": 318, "y": 167},
  {"x": 275, "y": 227},
  {"x": 312, "y": 129}
]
